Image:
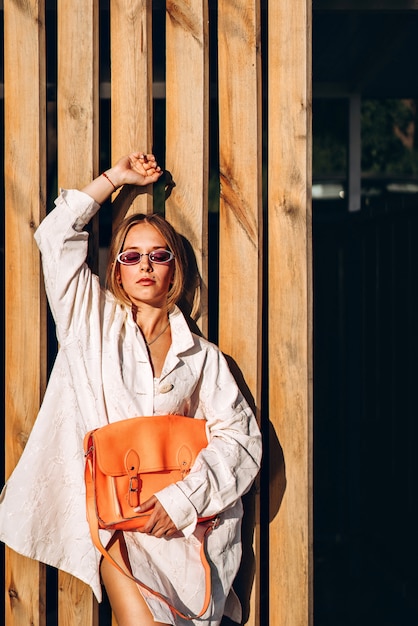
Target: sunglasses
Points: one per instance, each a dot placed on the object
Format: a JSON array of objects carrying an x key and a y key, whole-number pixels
[{"x": 132, "y": 257}]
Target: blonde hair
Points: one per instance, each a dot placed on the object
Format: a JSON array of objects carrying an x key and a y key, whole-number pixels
[{"x": 174, "y": 243}]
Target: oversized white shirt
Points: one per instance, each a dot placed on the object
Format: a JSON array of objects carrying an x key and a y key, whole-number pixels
[{"x": 102, "y": 374}]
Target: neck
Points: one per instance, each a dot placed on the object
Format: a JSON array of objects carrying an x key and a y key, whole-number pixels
[{"x": 152, "y": 322}]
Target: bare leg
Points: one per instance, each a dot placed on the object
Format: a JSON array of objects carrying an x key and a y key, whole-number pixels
[{"x": 128, "y": 605}]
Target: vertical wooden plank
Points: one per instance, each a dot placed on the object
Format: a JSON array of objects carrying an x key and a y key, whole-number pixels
[
  {"x": 25, "y": 191},
  {"x": 187, "y": 147},
  {"x": 240, "y": 235},
  {"x": 78, "y": 157},
  {"x": 240, "y": 155},
  {"x": 77, "y": 92},
  {"x": 76, "y": 604},
  {"x": 131, "y": 92},
  {"x": 289, "y": 306}
]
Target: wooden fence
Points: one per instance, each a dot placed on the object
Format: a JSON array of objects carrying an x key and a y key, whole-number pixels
[{"x": 235, "y": 71}]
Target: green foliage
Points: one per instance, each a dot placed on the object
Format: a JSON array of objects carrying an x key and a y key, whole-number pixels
[
  {"x": 388, "y": 138},
  {"x": 383, "y": 150}
]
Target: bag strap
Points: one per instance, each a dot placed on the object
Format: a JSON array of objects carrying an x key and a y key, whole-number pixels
[{"x": 94, "y": 531}]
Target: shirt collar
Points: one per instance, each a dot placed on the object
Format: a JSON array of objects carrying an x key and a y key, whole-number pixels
[{"x": 181, "y": 335}]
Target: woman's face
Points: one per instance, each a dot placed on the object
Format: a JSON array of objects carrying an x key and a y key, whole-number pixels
[{"x": 146, "y": 282}]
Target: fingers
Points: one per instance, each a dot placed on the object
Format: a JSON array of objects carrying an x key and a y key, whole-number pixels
[
  {"x": 137, "y": 168},
  {"x": 147, "y": 505},
  {"x": 144, "y": 158},
  {"x": 148, "y": 165},
  {"x": 160, "y": 523},
  {"x": 161, "y": 531}
]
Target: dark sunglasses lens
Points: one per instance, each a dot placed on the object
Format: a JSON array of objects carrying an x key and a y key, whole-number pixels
[
  {"x": 129, "y": 258},
  {"x": 160, "y": 256}
]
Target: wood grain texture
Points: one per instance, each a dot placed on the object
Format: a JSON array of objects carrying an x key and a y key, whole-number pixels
[
  {"x": 131, "y": 93},
  {"x": 290, "y": 310},
  {"x": 187, "y": 139},
  {"x": 77, "y": 92},
  {"x": 240, "y": 228},
  {"x": 25, "y": 190},
  {"x": 78, "y": 162},
  {"x": 240, "y": 157},
  {"x": 25, "y": 591},
  {"x": 76, "y": 602}
]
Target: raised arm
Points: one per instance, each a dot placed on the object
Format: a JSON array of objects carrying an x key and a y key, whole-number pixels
[{"x": 136, "y": 168}]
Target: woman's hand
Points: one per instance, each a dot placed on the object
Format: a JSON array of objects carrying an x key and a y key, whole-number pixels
[
  {"x": 160, "y": 523},
  {"x": 137, "y": 168}
]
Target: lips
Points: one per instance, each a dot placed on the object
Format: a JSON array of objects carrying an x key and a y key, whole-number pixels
[{"x": 145, "y": 282}]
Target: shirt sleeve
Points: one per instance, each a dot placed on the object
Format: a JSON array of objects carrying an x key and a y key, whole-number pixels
[
  {"x": 226, "y": 468},
  {"x": 70, "y": 285}
]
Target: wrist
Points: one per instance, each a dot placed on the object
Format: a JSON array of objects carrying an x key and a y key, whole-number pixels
[
  {"x": 117, "y": 175},
  {"x": 107, "y": 176}
]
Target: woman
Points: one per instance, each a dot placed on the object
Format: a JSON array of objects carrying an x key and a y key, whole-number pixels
[{"x": 128, "y": 351}]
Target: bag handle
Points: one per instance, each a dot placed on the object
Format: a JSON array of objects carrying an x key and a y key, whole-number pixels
[{"x": 94, "y": 531}]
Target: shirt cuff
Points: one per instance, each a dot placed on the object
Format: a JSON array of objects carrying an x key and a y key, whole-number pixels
[
  {"x": 179, "y": 508},
  {"x": 83, "y": 206}
]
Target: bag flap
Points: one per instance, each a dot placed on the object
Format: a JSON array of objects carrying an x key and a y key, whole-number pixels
[{"x": 159, "y": 441}]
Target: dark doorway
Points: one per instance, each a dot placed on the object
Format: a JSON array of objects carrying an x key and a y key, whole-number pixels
[{"x": 365, "y": 320}]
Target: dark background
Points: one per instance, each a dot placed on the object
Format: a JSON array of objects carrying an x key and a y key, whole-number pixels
[{"x": 365, "y": 321}]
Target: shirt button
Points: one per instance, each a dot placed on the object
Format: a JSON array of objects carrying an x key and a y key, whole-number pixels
[{"x": 165, "y": 388}]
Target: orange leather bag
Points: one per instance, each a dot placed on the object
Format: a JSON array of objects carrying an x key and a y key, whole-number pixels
[{"x": 129, "y": 461}]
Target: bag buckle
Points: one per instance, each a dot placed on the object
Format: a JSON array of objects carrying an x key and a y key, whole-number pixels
[
  {"x": 214, "y": 523},
  {"x": 132, "y": 468},
  {"x": 133, "y": 484}
]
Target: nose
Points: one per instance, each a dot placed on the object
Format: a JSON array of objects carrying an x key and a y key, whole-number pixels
[{"x": 144, "y": 263}]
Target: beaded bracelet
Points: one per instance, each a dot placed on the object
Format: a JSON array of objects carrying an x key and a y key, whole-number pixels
[{"x": 107, "y": 178}]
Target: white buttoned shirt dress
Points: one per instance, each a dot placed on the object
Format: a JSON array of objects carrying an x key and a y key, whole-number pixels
[{"x": 102, "y": 373}]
